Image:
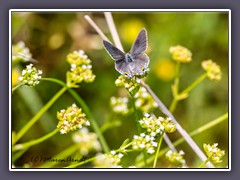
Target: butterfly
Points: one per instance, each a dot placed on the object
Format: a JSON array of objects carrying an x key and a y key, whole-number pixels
[{"x": 134, "y": 63}]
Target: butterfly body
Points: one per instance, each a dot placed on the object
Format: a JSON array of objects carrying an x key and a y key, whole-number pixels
[
  {"x": 128, "y": 58},
  {"x": 134, "y": 63}
]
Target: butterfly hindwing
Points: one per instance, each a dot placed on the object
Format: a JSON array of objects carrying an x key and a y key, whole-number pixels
[
  {"x": 140, "y": 64},
  {"x": 114, "y": 52},
  {"x": 123, "y": 68}
]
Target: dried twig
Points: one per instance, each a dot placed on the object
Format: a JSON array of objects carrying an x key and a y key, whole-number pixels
[
  {"x": 113, "y": 30},
  {"x": 92, "y": 23}
]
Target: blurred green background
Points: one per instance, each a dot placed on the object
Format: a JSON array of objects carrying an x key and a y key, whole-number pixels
[{"x": 50, "y": 36}]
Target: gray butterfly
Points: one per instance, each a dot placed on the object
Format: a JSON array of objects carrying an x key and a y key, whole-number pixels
[{"x": 134, "y": 63}]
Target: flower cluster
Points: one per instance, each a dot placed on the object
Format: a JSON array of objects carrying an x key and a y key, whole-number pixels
[
  {"x": 181, "y": 54},
  {"x": 86, "y": 141},
  {"x": 158, "y": 125},
  {"x": 144, "y": 101},
  {"x": 176, "y": 157},
  {"x": 109, "y": 160},
  {"x": 168, "y": 125},
  {"x": 213, "y": 70},
  {"x": 71, "y": 118},
  {"x": 132, "y": 85},
  {"x": 119, "y": 105},
  {"x": 81, "y": 69},
  {"x": 144, "y": 142},
  {"x": 30, "y": 76},
  {"x": 20, "y": 52},
  {"x": 213, "y": 152}
]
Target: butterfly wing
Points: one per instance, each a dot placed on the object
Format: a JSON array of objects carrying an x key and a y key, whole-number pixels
[
  {"x": 114, "y": 52},
  {"x": 123, "y": 68},
  {"x": 140, "y": 44},
  {"x": 140, "y": 64}
]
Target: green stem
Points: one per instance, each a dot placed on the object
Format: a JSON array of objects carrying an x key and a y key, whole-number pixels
[
  {"x": 187, "y": 90},
  {"x": 38, "y": 115},
  {"x": 86, "y": 111},
  {"x": 18, "y": 154},
  {"x": 194, "y": 84},
  {"x": 16, "y": 87},
  {"x": 136, "y": 115},
  {"x": 193, "y": 133},
  {"x": 176, "y": 87},
  {"x": 158, "y": 149},
  {"x": 34, "y": 142},
  {"x": 173, "y": 105},
  {"x": 124, "y": 147},
  {"x": 176, "y": 83},
  {"x": 204, "y": 163}
]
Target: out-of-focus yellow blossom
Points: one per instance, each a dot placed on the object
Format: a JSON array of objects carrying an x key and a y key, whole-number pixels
[
  {"x": 181, "y": 54},
  {"x": 56, "y": 40},
  {"x": 130, "y": 29},
  {"x": 144, "y": 101},
  {"x": 213, "y": 70},
  {"x": 119, "y": 105},
  {"x": 109, "y": 160},
  {"x": 165, "y": 70},
  {"x": 15, "y": 75},
  {"x": 86, "y": 141},
  {"x": 176, "y": 157}
]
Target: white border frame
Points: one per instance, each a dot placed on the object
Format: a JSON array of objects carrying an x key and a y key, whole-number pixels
[{"x": 120, "y": 10}]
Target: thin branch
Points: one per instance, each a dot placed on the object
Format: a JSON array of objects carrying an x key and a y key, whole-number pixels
[
  {"x": 113, "y": 30},
  {"x": 185, "y": 135},
  {"x": 169, "y": 142},
  {"x": 92, "y": 23}
]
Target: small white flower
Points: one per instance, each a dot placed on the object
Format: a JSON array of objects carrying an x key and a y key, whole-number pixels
[
  {"x": 24, "y": 72},
  {"x": 88, "y": 123},
  {"x": 154, "y": 144},
  {"x": 113, "y": 152},
  {"x": 73, "y": 66},
  {"x": 62, "y": 131},
  {"x": 150, "y": 151},
  {"x": 142, "y": 145},
  {"x": 120, "y": 155},
  {"x": 65, "y": 122}
]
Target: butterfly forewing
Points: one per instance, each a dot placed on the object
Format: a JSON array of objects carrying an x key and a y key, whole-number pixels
[
  {"x": 114, "y": 52},
  {"x": 140, "y": 44}
]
